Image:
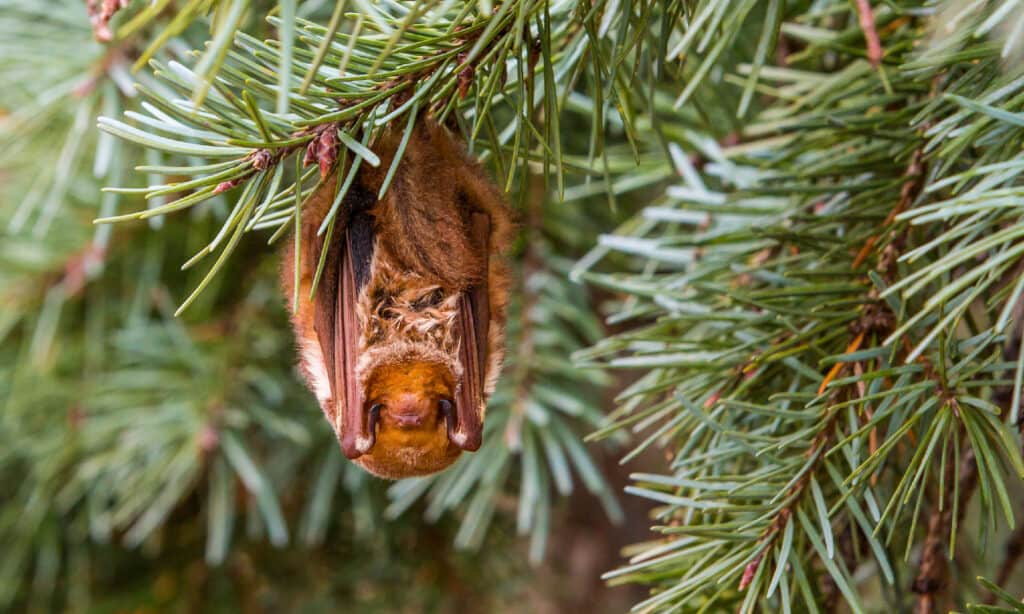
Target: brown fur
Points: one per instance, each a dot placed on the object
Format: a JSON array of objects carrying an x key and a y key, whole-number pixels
[
  {"x": 423, "y": 259},
  {"x": 404, "y": 317}
]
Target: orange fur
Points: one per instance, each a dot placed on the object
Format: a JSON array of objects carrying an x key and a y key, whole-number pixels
[{"x": 403, "y": 451}]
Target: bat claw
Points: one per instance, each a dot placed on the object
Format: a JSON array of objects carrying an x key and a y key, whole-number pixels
[
  {"x": 456, "y": 434},
  {"x": 365, "y": 442},
  {"x": 354, "y": 447}
]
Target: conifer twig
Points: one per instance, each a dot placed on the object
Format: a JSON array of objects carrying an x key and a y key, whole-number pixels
[
  {"x": 866, "y": 18},
  {"x": 933, "y": 572}
]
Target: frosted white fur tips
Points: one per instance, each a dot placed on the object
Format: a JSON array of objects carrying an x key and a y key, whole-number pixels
[
  {"x": 316, "y": 370},
  {"x": 363, "y": 444}
]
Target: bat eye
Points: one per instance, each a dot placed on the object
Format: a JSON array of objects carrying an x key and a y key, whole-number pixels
[
  {"x": 445, "y": 406},
  {"x": 375, "y": 409}
]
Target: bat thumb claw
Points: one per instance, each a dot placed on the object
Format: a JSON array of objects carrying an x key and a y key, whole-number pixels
[
  {"x": 363, "y": 444},
  {"x": 457, "y": 434},
  {"x": 354, "y": 447},
  {"x": 465, "y": 441},
  {"x": 360, "y": 441}
]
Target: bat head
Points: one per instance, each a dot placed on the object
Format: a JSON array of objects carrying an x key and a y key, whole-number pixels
[{"x": 410, "y": 407}]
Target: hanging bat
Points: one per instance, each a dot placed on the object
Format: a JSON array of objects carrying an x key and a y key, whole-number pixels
[{"x": 403, "y": 339}]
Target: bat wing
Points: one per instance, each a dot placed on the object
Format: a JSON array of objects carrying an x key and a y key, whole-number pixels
[
  {"x": 473, "y": 325},
  {"x": 346, "y": 270}
]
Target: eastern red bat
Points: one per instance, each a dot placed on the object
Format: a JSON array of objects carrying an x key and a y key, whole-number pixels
[{"x": 403, "y": 339}]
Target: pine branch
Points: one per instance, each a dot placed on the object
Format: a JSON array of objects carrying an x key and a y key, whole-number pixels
[
  {"x": 763, "y": 331},
  {"x": 933, "y": 574}
]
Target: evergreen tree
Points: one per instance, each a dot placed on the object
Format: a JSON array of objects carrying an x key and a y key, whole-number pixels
[{"x": 788, "y": 227}]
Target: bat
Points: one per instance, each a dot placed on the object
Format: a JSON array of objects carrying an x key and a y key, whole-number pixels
[{"x": 403, "y": 339}]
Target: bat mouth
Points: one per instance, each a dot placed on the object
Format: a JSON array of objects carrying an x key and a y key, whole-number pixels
[
  {"x": 408, "y": 420},
  {"x": 406, "y": 444},
  {"x": 406, "y": 412}
]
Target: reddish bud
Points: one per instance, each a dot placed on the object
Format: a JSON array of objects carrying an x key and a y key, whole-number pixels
[
  {"x": 224, "y": 186},
  {"x": 327, "y": 151},
  {"x": 748, "y": 573},
  {"x": 100, "y": 13},
  {"x": 465, "y": 76},
  {"x": 310, "y": 154},
  {"x": 261, "y": 159},
  {"x": 208, "y": 438},
  {"x": 79, "y": 267}
]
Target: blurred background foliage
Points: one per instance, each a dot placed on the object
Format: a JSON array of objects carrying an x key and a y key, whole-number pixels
[{"x": 791, "y": 229}]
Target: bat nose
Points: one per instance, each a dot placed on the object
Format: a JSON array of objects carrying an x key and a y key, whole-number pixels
[
  {"x": 409, "y": 411},
  {"x": 408, "y": 420}
]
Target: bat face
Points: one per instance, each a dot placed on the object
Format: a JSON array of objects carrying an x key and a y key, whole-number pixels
[{"x": 409, "y": 406}]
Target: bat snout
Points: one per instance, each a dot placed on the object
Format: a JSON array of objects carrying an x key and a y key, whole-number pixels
[
  {"x": 407, "y": 420},
  {"x": 411, "y": 411}
]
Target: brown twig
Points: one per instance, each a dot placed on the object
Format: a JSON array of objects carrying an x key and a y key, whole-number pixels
[
  {"x": 910, "y": 188},
  {"x": 875, "y": 319},
  {"x": 933, "y": 573},
  {"x": 866, "y": 19},
  {"x": 795, "y": 493},
  {"x": 323, "y": 145},
  {"x": 1014, "y": 553}
]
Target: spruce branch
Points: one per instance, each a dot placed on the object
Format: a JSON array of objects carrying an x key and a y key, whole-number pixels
[
  {"x": 932, "y": 578},
  {"x": 755, "y": 264}
]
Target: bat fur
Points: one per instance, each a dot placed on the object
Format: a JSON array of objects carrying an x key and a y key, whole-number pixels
[{"x": 423, "y": 259}]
